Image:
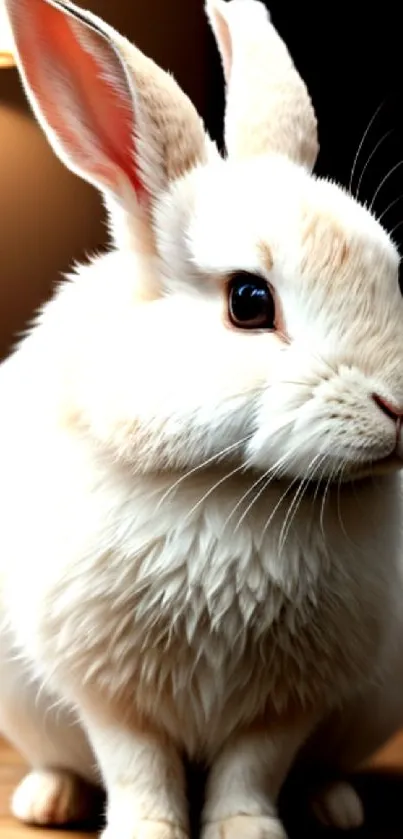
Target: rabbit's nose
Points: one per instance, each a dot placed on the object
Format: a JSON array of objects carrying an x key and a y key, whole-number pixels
[{"x": 388, "y": 408}]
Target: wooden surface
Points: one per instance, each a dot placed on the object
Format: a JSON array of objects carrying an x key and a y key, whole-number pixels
[
  {"x": 382, "y": 789},
  {"x": 11, "y": 772}
]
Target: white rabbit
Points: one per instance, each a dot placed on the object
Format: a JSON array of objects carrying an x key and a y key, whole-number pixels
[{"x": 200, "y": 441}]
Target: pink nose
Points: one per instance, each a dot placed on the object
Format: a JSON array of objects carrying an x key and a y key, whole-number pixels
[{"x": 388, "y": 408}]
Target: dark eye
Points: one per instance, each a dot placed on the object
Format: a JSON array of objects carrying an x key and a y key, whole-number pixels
[{"x": 250, "y": 303}]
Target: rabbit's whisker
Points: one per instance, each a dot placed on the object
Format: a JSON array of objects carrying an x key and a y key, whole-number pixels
[
  {"x": 213, "y": 459},
  {"x": 245, "y": 495},
  {"x": 297, "y": 499},
  {"x": 370, "y": 157},
  {"x": 269, "y": 476},
  {"x": 319, "y": 481},
  {"x": 383, "y": 182},
  {"x": 278, "y": 504},
  {"x": 396, "y": 227},
  {"x": 338, "y": 501},
  {"x": 389, "y": 207},
  {"x": 325, "y": 496},
  {"x": 364, "y": 137},
  {"x": 213, "y": 488}
]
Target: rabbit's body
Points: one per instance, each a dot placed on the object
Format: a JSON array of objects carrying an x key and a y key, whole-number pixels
[
  {"x": 166, "y": 622},
  {"x": 163, "y": 618},
  {"x": 156, "y": 590},
  {"x": 201, "y": 547}
]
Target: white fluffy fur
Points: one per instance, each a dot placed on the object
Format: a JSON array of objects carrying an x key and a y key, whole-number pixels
[{"x": 170, "y": 580}]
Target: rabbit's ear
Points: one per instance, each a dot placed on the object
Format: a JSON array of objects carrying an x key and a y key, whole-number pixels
[
  {"x": 111, "y": 115},
  {"x": 268, "y": 107}
]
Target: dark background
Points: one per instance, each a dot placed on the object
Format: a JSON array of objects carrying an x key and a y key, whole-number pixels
[{"x": 350, "y": 60}]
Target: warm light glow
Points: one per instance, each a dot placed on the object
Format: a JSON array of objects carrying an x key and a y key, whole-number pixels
[{"x": 6, "y": 39}]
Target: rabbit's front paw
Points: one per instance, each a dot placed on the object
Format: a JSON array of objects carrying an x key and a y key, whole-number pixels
[
  {"x": 338, "y": 805},
  {"x": 51, "y": 797},
  {"x": 144, "y": 829},
  {"x": 245, "y": 827}
]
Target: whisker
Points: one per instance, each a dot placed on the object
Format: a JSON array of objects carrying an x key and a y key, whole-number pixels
[
  {"x": 324, "y": 497},
  {"x": 364, "y": 137},
  {"x": 291, "y": 513},
  {"x": 379, "y": 143},
  {"x": 319, "y": 482},
  {"x": 396, "y": 227},
  {"x": 289, "y": 517},
  {"x": 383, "y": 181},
  {"x": 266, "y": 475},
  {"x": 297, "y": 501},
  {"x": 212, "y": 489},
  {"x": 270, "y": 476},
  {"x": 212, "y": 459},
  {"x": 389, "y": 207},
  {"x": 339, "y": 515},
  {"x": 278, "y": 504},
  {"x": 272, "y": 473},
  {"x": 323, "y": 504}
]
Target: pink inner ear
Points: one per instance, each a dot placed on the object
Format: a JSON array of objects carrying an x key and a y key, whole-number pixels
[{"x": 88, "y": 101}]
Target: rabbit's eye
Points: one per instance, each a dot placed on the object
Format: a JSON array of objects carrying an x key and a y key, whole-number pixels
[{"x": 250, "y": 303}]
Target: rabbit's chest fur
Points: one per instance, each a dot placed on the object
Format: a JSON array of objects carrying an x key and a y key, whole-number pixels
[{"x": 181, "y": 613}]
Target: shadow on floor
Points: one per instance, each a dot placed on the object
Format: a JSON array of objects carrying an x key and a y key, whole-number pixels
[{"x": 380, "y": 790}]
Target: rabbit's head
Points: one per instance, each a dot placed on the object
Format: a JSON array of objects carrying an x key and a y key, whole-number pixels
[{"x": 248, "y": 308}]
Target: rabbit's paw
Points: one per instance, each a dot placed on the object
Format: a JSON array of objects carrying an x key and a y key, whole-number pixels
[
  {"x": 338, "y": 805},
  {"x": 144, "y": 829},
  {"x": 245, "y": 827},
  {"x": 50, "y": 797}
]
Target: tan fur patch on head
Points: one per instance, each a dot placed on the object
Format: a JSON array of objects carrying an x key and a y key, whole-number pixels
[
  {"x": 265, "y": 255},
  {"x": 325, "y": 246}
]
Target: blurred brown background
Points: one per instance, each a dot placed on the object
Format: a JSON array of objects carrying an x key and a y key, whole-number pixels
[{"x": 48, "y": 217}]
